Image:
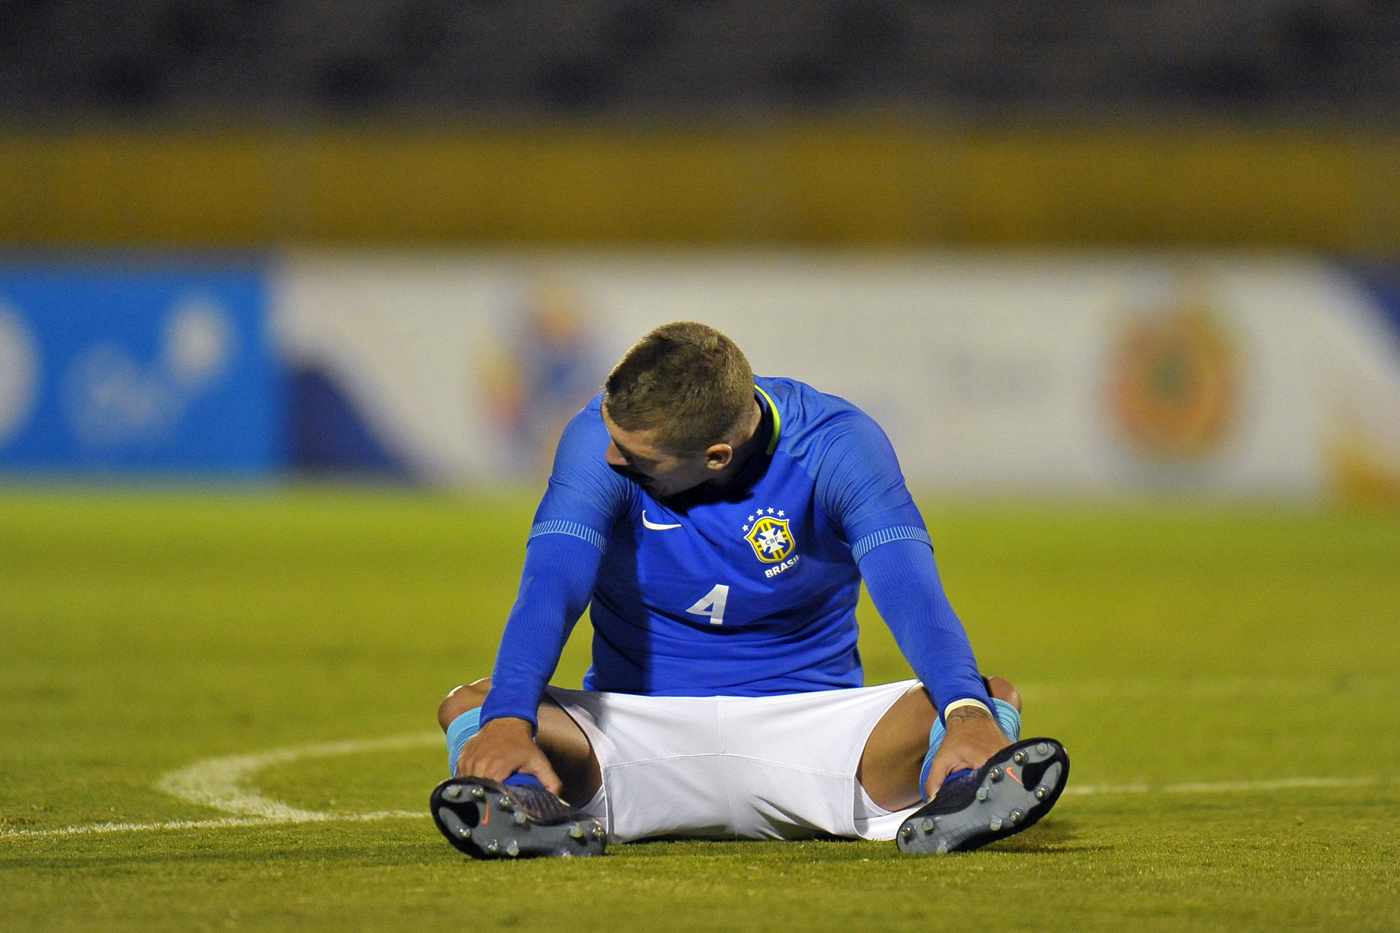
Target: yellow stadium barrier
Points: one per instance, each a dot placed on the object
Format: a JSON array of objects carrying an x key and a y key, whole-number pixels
[{"x": 868, "y": 182}]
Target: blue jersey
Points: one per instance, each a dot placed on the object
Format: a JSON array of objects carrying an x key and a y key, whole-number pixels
[{"x": 745, "y": 590}]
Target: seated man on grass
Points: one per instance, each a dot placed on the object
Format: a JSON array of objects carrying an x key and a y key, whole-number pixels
[{"x": 720, "y": 526}]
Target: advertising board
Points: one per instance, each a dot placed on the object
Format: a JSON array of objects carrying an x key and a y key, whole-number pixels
[
  {"x": 137, "y": 369},
  {"x": 1002, "y": 374},
  {"x": 1243, "y": 375}
]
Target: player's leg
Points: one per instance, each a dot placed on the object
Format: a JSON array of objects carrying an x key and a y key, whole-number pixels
[
  {"x": 894, "y": 754},
  {"x": 1010, "y": 792},
  {"x": 518, "y": 818},
  {"x": 559, "y": 737}
]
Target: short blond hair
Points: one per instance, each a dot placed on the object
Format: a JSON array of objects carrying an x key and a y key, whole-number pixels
[{"x": 687, "y": 381}]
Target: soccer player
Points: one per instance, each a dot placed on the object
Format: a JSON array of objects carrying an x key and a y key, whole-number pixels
[{"x": 720, "y": 526}]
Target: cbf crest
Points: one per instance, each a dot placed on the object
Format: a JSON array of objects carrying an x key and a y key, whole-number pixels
[{"x": 770, "y": 536}]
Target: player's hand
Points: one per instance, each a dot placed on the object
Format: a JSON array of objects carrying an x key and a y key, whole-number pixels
[
  {"x": 502, "y": 748},
  {"x": 973, "y": 737}
]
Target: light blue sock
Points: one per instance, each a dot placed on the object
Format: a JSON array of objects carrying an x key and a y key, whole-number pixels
[
  {"x": 459, "y": 731},
  {"x": 1007, "y": 718}
]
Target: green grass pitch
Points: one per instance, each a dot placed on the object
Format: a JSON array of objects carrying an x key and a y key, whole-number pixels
[{"x": 1227, "y": 681}]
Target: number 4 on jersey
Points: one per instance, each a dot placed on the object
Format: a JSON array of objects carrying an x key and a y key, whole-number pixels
[{"x": 712, "y": 604}]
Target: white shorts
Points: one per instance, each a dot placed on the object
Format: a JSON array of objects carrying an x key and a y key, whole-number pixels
[{"x": 780, "y": 767}]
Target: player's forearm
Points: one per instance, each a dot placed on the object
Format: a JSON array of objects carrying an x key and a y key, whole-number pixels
[
  {"x": 903, "y": 581},
  {"x": 555, "y": 587}
]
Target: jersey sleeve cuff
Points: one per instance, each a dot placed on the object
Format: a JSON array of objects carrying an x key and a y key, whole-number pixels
[
  {"x": 866, "y": 543},
  {"x": 509, "y": 708}
]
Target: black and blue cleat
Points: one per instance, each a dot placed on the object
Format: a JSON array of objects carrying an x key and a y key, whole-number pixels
[
  {"x": 486, "y": 819},
  {"x": 1011, "y": 792}
]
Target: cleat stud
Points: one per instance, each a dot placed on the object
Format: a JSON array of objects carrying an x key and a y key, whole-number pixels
[
  {"x": 994, "y": 774},
  {"x": 464, "y": 832},
  {"x": 926, "y": 825},
  {"x": 1019, "y": 757},
  {"x": 1040, "y": 793},
  {"x": 982, "y": 793},
  {"x": 493, "y": 847},
  {"x": 453, "y": 792},
  {"x": 906, "y": 832},
  {"x": 513, "y": 848},
  {"x": 520, "y": 817},
  {"x": 576, "y": 831},
  {"x": 1015, "y": 817},
  {"x": 599, "y": 832},
  {"x": 1043, "y": 749},
  {"x": 995, "y": 824},
  {"x": 479, "y": 793}
]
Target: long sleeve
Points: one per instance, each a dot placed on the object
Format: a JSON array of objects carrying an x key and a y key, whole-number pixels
[
  {"x": 560, "y": 571},
  {"x": 903, "y": 581},
  {"x": 565, "y": 549},
  {"x": 862, "y": 486}
]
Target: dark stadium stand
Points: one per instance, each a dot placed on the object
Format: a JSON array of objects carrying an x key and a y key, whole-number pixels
[{"x": 291, "y": 58}]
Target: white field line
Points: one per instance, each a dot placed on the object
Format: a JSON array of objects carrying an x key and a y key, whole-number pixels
[
  {"x": 1206, "y": 688},
  {"x": 1224, "y": 787},
  {"x": 92, "y": 829},
  {"x": 219, "y": 783}
]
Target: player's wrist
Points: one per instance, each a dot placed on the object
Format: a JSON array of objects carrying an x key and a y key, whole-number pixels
[
  {"x": 973, "y": 716},
  {"x": 509, "y": 725},
  {"x": 966, "y": 703},
  {"x": 503, "y": 702}
]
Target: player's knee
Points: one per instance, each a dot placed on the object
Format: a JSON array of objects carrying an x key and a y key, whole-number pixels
[
  {"x": 1002, "y": 689},
  {"x": 463, "y": 698}
]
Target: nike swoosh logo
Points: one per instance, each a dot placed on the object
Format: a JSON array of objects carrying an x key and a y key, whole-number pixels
[{"x": 653, "y": 526}]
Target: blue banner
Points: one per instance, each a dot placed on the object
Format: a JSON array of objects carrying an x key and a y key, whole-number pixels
[{"x": 137, "y": 369}]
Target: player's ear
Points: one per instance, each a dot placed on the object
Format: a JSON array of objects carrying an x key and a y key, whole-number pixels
[{"x": 717, "y": 456}]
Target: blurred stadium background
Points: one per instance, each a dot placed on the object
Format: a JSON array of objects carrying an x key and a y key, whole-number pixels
[
  {"x": 1115, "y": 247},
  {"x": 1121, "y": 278}
]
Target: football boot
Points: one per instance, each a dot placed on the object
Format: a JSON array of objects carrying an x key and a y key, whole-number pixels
[
  {"x": 486, "y": 819},
  {"x": 1011, "y": 792}
]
